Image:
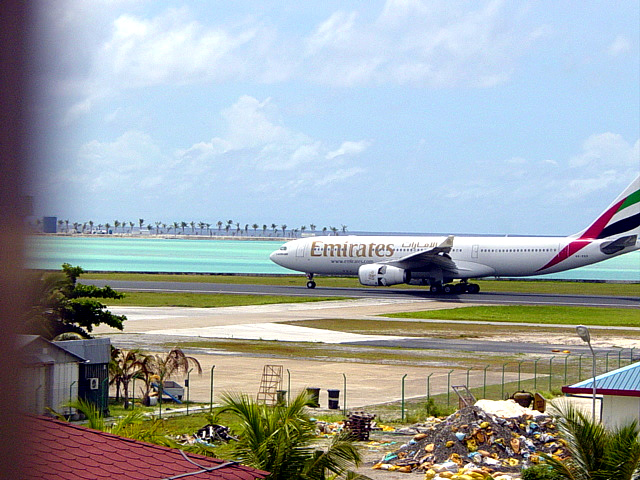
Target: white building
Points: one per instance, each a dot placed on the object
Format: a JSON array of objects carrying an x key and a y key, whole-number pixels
[{"x": 620, "y": 391}]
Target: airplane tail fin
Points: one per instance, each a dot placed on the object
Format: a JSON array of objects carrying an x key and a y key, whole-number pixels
[{"x": 621, "y": 217}]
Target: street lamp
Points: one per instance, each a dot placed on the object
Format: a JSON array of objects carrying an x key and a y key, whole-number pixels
[{"x": 583, "y": 333}]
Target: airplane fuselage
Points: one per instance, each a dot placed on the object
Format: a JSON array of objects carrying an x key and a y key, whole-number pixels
[{"x": 474, "y": 256}]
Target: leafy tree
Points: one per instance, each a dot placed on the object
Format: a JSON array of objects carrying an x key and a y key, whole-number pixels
[
  {"x": 280, "y": 440},
  {"x": 596, "y": 452},
  {"x": 61, "y": 305}
]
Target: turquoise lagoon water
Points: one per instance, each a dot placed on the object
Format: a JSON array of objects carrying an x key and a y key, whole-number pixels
[{"x": 131, "y": 254}]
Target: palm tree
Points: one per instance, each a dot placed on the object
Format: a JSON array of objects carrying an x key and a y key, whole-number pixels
[
  {"x": 164, "y": 367},
  {"x": 193, "y": 227},
  {"x": 344, "y": 228},
  {"x": 274, "y": 227},
  {"x": 264, "y": 229},
  {"x": 284, "y": 229},
  {"x": 313, "y": 227},
  {"x": 183, "y": 225},
  {"x": 125, "y": 366},
  {"x": 131, "y": 224},
  {"x": 279, "y": 440},
  {"x": 324, "y": 230},
  {"x": 158, "y": 227},
  {"x": 140, "y": 222},
  {"x": 116, "y": 224},
  {"x": 91, "y": 225},
  {"x": 219, "y": 224},
  {"x": 596, "y": 453}
]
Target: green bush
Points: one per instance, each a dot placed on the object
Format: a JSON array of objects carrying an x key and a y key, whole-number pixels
[{"x": 538, "y": 472}]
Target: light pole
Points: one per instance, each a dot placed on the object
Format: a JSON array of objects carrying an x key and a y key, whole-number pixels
[{"x": 583, "y": 333}]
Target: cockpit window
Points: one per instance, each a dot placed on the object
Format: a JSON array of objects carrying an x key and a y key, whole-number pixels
[{"x": 283, "y": 248}]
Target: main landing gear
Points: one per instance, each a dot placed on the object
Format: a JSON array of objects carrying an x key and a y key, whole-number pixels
[
  {"x": 455, "y": 288},
  {"x": 310, "y": 282}
]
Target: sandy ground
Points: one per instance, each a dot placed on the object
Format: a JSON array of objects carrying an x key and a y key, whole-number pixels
[{"x": 366, "y": 383}]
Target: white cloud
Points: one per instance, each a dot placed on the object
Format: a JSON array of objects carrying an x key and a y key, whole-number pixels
[
  {"x": 171, "y": 48},
  {"x": 604, "y": 150},
  {"x": 348, "y": 148},
  {"x": 619, "y": 46}
]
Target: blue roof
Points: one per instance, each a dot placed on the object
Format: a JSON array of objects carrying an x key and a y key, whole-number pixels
[{"x": 623, "y": 381}]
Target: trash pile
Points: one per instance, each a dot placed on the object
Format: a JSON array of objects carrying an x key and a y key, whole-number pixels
[
  {"x": 477, "y": 442},
  {"x": 207, "y": 435}
]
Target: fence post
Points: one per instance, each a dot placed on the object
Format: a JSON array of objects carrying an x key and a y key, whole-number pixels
[
  {"x": 565, "y": 369},
  {"x": 519, "y": 367},
  {"x": 188, "y": 389},
  {"x": 502, "y": 391},
  {"x": 551, "y": 370},
  {"x": 211, "y": 391},
  {"x": 71, "y": 395},
  {"x": 619, "y": 357},
  {"x": 535, "y": 374},
  {"x": 606, "y": 366},
  {"x": 468, "y": 370},
  {"x": 403, "y": 377},
  {"x": 429, "y": 387},
  {"x": 288, "y": 386},
  {"x": 448, "y": 385},
  {"x": 580, "y": 366},
  {"x": 344, "y": 397},
  {"x": 631, "y": 355},
  {"x": 484, "y": 388}
]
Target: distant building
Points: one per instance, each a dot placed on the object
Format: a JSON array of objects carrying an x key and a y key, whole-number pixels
[
  {"x": 620, "y": 391},
  {"x": 50, "y": 224}
]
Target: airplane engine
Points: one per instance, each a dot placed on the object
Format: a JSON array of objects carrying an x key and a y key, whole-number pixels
[{"x": 377, "y": 275}]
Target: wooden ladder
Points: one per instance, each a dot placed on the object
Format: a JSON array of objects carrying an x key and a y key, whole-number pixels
[
  {"x": 270, "y": 384},
  {"x": 465, "y": 397}
]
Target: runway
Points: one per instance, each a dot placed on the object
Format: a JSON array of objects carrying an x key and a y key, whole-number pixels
[{"x": 487, "y": 298}]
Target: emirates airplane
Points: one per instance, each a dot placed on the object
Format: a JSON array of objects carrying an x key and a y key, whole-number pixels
[{"x": 439, "y": 260}]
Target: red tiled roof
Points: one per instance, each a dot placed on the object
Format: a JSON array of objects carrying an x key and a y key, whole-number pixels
[{"x": 60, "y": 450}]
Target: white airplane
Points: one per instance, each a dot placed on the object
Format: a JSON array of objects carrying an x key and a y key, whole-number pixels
[{"x": 438, "y": 260}]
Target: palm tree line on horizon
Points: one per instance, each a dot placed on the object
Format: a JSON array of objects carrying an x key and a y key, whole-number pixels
[{"x": 160, "y": 228}]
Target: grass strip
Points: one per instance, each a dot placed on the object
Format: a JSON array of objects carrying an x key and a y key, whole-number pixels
[
  {"x": 516, "y": 286},
  {"x": 619, "y": 317},
  {"x": 207, "y": 300}
]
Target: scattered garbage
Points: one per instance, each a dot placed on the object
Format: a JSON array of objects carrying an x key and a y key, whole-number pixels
[
  {"x": 211, "y": 433},
  {"x": 208, "y": 435},
  {"x": 497, "y": 439}
]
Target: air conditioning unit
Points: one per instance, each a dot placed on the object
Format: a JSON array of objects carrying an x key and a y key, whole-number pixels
[{"x": 94, "y": 383}]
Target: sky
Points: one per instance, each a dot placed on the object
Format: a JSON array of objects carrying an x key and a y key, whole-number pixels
[{"x": 497, "y": 117}]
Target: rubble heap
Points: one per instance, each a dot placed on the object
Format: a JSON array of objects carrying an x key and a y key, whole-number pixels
[{"x": 473, "y": 437}]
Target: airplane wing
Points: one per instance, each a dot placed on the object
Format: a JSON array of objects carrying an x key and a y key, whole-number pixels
[{"x": 436, "y": 257}]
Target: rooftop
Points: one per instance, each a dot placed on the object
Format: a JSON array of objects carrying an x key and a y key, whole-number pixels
[
  {"x": 60, "y": 450},
  {"x": 623, "y": 382}
]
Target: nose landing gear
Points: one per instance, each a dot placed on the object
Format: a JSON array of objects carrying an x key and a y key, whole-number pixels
[{"x": 310, "y": 282}]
